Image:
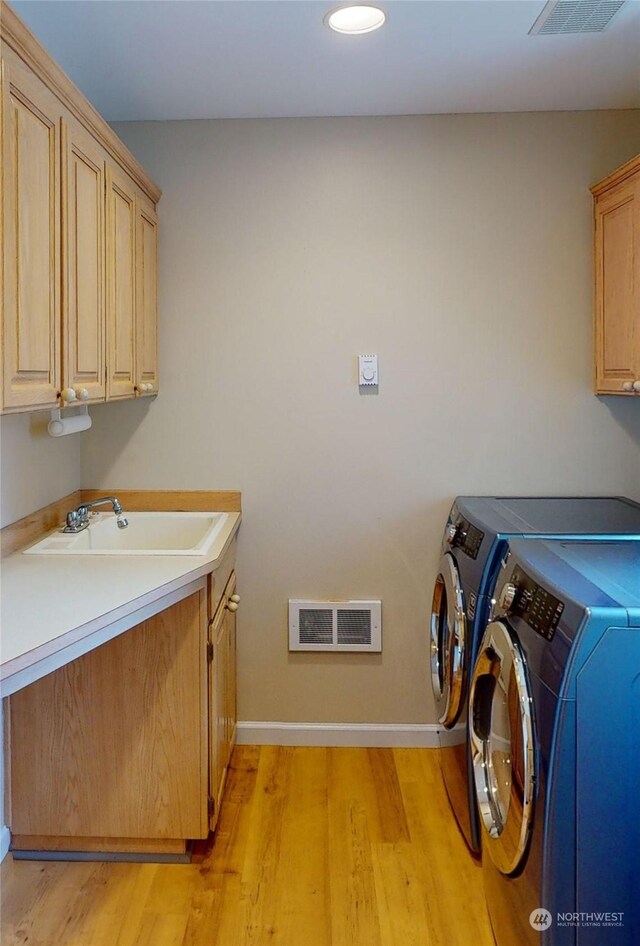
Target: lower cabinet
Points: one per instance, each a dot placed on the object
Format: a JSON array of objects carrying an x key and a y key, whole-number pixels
[
  {"x": 222, "y": 694},
  {"x": 125, "y": 749}
]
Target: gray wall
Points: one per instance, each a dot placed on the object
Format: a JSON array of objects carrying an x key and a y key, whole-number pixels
[
  {"x": 35, "y": 469},
  {"x": 456, "y": 247}
]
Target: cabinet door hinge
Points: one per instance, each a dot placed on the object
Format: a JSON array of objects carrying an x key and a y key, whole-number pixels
[
  {"x": 211, "y": 806},
  {"x": 210, "y": 651}
]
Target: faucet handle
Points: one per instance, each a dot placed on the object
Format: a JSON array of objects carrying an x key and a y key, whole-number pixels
[{"x": 72, "y": 519}]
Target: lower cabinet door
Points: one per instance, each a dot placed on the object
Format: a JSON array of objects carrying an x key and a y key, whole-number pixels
[
  {"x": 222, "y": 698},
  {"x": 217, "y": 704},
  {"x": 114, "y": 745}
]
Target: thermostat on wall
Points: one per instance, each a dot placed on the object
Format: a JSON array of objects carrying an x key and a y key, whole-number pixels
[{"x": 367, "y": 369}]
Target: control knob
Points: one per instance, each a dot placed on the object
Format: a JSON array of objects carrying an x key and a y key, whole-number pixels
[
  {"x": 507, "y": 595},
  {"x": 450, "y": 533}
]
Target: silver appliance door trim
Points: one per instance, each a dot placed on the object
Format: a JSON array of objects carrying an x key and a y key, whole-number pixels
[
  {"x": 506, "y": 816},
  {"x": 448, "y": 655}
]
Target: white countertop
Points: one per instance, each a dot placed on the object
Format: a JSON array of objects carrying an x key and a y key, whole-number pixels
[{"x": 53, "y": 608}]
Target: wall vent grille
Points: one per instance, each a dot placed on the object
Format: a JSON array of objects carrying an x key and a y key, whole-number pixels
[
  {"x": 335, "y": 625},
  {"x": 575, "y": 16}
]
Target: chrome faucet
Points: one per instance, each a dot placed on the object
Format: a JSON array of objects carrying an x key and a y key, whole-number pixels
[{"x": 78, "y": 519}]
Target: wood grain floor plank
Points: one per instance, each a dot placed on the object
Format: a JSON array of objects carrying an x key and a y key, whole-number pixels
[
  {"x": 403, "y": 905},
  {"x": 389, "y": 804},
  {"x": 261, "y": 895}
]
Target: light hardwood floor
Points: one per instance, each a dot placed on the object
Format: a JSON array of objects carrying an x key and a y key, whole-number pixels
[{"x": 315, "y": 847}]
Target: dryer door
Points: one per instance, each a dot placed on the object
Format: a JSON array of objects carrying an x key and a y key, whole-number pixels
[
  {"x": 501, "y": 731},
  {"x": 448, "y": 642}
]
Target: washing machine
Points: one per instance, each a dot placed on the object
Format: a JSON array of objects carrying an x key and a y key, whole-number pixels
[
  {"x": 554, "y": 717},
  {"x": 474, "y": 543}
]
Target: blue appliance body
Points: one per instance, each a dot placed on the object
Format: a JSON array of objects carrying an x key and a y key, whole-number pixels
[
  {"x": 474, "y": 544},
  {"x": 575, "y": 623}
]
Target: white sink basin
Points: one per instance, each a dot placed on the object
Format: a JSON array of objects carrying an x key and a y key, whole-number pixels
[{"x": 148, "y": 533}]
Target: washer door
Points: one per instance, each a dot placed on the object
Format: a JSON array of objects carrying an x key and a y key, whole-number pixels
[
  {"x": 448, "y": 643},
  {"x": 501, "y": 730}
]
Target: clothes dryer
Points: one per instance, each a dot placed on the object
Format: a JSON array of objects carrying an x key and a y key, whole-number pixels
[
  {"x": 474, "y": 542},
  {"x": 555, "y": 733}
]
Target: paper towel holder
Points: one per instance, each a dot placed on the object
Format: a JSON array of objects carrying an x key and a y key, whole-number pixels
[{"x": 60, "y": 426}]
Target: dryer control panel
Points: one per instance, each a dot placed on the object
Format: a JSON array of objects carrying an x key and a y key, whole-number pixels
[
  {"x": 526, "y": 599},
  {"x": 462, "y": 535}
]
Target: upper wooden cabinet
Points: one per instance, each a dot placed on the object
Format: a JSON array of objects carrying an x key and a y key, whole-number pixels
[
  {"x": 617, "y": 281},
  {"x": 79, "y": 242},
  {"x": 146, "y": 297},
  {"x": 31, "y": 316},
  {"x": 83, "y": 189},
  {"x": 121, "y": 284}
]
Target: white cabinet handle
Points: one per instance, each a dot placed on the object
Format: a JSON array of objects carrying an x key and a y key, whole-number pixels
[
  {"x": 68, "y": 394},
  {"x": 627, "y": 386},
  {"x": 232, "y": 605},
  {"x": 235, "y": 598},
  {"x": 82, "y": 394},
  {"x": 636, "y": 387}
]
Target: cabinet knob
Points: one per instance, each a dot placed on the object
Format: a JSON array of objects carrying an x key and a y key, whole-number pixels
[
  {"x": 232, "y": 605},
  {"x": 235, "y": 598},
  {"x": 636, "y": 387},
  {"x": 68, "y": 394},
  {"x": 627, "y": 386},
  {"x": 82, "y": 394}
]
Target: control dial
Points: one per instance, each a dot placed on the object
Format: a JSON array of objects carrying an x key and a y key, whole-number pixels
[
  {"x": 507, "y": 595},
  {"x": 451, "y": 533}
]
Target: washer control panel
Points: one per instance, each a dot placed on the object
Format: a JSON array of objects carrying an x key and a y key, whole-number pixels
[
  {"x": 526, "y": 599},
  {"x": 462, "y": 535}
]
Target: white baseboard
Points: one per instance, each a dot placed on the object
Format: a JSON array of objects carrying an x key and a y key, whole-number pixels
[
  {"x": 5, "y": 841},
  {"x": 379, "y": 735}
]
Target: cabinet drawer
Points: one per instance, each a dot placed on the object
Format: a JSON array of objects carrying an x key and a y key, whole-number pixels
[{"x": 218, "y": 580}]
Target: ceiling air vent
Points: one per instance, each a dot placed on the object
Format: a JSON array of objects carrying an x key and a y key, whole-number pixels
[
  {"x": 576, "y": 16},
  {"x": 335, "y": 625}
]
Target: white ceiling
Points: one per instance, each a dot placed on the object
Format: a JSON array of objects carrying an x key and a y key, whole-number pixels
[{"x": 162, "y": 59}]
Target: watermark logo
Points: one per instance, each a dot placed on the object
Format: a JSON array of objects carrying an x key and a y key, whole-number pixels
[{"x": 540, "y": 919}]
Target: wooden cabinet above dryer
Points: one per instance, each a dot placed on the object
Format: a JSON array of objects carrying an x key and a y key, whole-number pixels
[
  {"x": 617, "y": 281},
  {"x": 79, "y": 242}
]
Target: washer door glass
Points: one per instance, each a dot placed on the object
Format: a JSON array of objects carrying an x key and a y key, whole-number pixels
[
  {"x": 448, "y": 643},
  {"x": 501, "y": 729}
]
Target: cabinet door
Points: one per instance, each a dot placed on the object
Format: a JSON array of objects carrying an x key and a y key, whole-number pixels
[
  {"x": 146, "y": 298},
  {"x": 217, "y": 710},
  {"x": 113, "y": 745},
  {"x": 231, "y": 707},
  {"x": 31, "y": 241},
  {"x": 617, "y": 319},
  {"x": 222, "y": 696},
  {"x": 84, "y": 357},
  {"x": 121, "y": 284}
]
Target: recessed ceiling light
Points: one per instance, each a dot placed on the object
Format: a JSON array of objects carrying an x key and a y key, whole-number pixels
[{"x": 356, "y": 19}]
